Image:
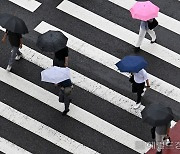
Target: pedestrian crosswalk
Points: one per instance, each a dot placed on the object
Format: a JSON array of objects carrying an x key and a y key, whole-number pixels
[{"x": 101, "y": 118}]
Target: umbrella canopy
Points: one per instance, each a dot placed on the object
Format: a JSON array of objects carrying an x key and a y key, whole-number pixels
[
  {"x": 13, "y": 23},
  {"x": 131, "y": 64},
  {"x": 52, "y": 41},
  {"x": 55, "y": 74},
  {"x": 157, "y": 115},
  {"x": 144, "y": 10}
]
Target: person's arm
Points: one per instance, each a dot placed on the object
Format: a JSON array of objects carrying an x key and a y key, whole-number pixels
[
  {"x": 66, "y": 62},
  {"x": 4, "y": 38},
  {"x": 20, "y": 45},
  {"x": 147, "y": 83}
]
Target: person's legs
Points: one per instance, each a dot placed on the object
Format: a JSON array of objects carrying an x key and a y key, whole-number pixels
[
  {"x": 142, "y": 33},
  {"x": 67, "y": 99},
  {"x": 159, "y": 142},
  {"x": 152, "y": 34},
  {"x": 140, "y": 87}
]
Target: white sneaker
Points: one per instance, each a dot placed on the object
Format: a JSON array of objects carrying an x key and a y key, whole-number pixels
[
  {"x": 18, "y": 57},
  {"x": 8, "y": 68},
  {"x": 137, "y": 105},
  {"x": 144, "y": 90}
]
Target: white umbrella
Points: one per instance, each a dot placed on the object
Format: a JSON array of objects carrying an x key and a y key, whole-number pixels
[{"x": 55, "y": 74}]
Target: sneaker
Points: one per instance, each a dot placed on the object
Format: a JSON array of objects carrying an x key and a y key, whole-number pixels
[
  {"x": 168, "y": 141},
  {"x": 8, "y": 68},
  {"x": 65, "y": 112},
  {"x": 137, "y": 105},
  {"x": 159, "y": 152},
  {"x": 142, "y": 94},
  {"x": 18, "y": 57}
]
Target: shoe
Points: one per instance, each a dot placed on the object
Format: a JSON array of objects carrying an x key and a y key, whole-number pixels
[
  {"x": 65, "y": 112},
  {"x": 153, "y": 41},
  {"x": 8, "y": 68},
  {"x": 136, "y": 49},
  {"x": 168, "y": 141},
  {"x": 18, "y": 57},
  {"x": 159, "y": 152},
  {"x": 137, "y": 105},
  {"x": 142, "y": 94}
]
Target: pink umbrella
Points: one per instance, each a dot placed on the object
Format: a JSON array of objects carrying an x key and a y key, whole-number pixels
[{"x": 144, "y": 10}]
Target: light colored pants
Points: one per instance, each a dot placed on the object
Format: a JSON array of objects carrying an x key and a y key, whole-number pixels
[
  {"x": 142, "y": 33},
  {"x": 159, "y": 141},
  {"x": 15, "y": 51}
]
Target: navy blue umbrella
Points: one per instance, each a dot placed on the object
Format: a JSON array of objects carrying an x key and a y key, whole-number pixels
[{"x": 131, "y": 64}]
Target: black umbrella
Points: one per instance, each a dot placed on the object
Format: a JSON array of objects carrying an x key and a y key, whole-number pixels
[
  {"x": 157, "y": 115},
  {"x": 52, "y": 41},
  {"x": 13, "y": 23}
]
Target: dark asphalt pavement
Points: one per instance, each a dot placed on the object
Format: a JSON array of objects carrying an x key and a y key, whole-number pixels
[{"x": 91, "y": 69}]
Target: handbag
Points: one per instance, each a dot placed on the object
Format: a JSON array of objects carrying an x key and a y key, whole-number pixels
[{"x": 152, "y": 24}]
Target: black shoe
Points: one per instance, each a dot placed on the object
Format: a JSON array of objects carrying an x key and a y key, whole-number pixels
[
  {"x": 153, "y": 41},
  {"x": 65, "y": 112},
  {"x": 136, "y": 49},
  {"x": 159, "y": 152}
]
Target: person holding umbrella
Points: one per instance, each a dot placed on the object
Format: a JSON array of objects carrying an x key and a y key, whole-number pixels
[
  {"x": 139, "y": 84},
  {"x": 61, "y": 77},
  {"x": 55, "y": 41},
  {"x": 135, "y": 65},
  {"x": 15, "y": 27},
  {"x": 146, "y": 12},
  {"x": 159, "y": 117},
  {"x": 15, "y": 40}
]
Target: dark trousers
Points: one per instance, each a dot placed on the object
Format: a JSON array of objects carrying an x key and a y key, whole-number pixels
[{"x": 138, "y": 88}]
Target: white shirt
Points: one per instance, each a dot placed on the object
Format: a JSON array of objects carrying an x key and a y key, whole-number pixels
[{"x": 141, "y": 76}]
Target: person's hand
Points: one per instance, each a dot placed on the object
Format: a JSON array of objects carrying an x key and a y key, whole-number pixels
[
  {"x": 20, "y": 46},
  {"x": 3, "y": 40},
  {"x": 148, "y": 86},
  {"x": 66, "y": 64}
]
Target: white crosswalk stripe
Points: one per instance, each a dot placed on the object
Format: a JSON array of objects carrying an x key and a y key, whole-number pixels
[
  {"x": 9, "y": 148},
  {"x": 91, "y": 121}
]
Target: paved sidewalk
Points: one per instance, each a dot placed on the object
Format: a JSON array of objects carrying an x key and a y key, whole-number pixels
[{"x": 174, "y": 148}]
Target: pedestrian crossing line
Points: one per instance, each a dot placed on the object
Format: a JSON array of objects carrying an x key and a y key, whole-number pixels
[
  {"x": 43, "y": 131},
  {"x": 163, "y": 20},
  {"x": 119, "y": 32},
  {"x": 10, "y": 148},
  {"x": 30, "y": 5},
  {"x": 109, "y": 60},
  {"x": 77, "y": 113}
]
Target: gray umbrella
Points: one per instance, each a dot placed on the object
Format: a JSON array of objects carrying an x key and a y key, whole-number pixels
[
  {"x": 13, "y": 23},
  {"x": 52, "y": 41},
  {"x": 157, "y": 115}
]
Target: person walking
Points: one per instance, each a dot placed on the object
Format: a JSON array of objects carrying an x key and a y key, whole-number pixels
[
  {"x": 139, "y": 84},
  {"x": 142, "y": 32},
  {"x": 61, "y": 58},
  {"x": 161, "y": 135},
  {"x": 15, "y": 40},
  {"x": 65, "y": 94}
]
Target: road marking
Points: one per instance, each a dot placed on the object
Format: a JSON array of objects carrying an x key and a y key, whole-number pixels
[
  {"x": 42, "y": 130},
  {"x": 163, "y": 20},
  {"x": 119, "y": 32},
  {"x": 30, "y": 5},
  {"x": 10, "y": 148},
  {"x": 109, "y": 61},
  {"x": 77, "y": 113}
]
